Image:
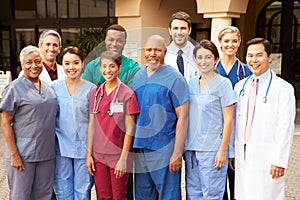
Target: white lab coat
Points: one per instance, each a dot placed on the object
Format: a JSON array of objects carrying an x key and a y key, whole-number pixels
[
  {"x": 270, "y": 141},
  {"x": 190, "y": 67},
  {"x": 45, "y": 76}
]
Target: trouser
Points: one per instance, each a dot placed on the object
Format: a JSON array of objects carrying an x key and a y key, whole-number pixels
[
  {"x": 153, "y": 178},
  {"x": 130, "y": 187},
  {"x": 107, "y": 185},
  {"x": 34, "y": 183},
  {"x": 203, "y": 181},
  {"x": 72, "y": 180}
]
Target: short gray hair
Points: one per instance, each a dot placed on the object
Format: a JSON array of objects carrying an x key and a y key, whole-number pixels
[
  {"x": 28, "y": 50},
  {"x": 49, "y": 32}
]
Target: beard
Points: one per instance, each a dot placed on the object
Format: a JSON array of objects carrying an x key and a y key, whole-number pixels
[{"x": 153, "y": 65}]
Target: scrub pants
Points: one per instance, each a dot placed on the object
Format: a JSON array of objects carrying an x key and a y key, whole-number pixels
[
  {"x": 34, "y": 183},
  {"x": 72, "y": 180},
  {"x": 151, "y": 181},
  {"x": 108, "y": 187},
  {"x": 203, "y": 181}
]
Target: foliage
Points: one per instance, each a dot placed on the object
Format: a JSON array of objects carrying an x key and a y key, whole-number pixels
[{"x": 89, "y": 38}]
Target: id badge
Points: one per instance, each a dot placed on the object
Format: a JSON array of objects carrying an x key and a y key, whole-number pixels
[{"x": 116, "y": 107}]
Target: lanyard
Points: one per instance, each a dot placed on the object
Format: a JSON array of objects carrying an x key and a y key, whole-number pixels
[
  {"x": 240, "y": 65},
  {"x": 100, "y": 90}
]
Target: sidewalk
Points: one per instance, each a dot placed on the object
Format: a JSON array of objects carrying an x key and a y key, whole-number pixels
[{"x": 292, "y": 173}]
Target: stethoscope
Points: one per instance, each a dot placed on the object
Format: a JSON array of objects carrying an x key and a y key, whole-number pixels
[
  {"x": 240, "y": 65},
  {"x": 97, "y": 103},
  {"x": 265, "y": 98}
]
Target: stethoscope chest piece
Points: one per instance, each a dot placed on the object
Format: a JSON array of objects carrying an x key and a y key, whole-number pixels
[
  {"x": 110, "y": 112},
  {"x": 265, "y": 99}
]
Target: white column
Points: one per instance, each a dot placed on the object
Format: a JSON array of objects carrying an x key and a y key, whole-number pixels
[{"x": 218, "y": 22}]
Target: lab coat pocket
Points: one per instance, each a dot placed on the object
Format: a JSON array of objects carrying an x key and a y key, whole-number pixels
[
  {"x": 26, "y": 146},
  {"x": 241, "y": 107}
]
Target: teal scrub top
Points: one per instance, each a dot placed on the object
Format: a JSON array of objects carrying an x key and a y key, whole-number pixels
[{"x": 129, "y": 68}]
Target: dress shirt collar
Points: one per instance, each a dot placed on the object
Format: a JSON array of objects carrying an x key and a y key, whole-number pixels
[{"x": 263, "y": 77}]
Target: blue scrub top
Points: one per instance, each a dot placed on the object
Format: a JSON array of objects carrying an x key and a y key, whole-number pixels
[
  {"x": 72, "y": 119},
  {"x": 232, "y": 75},
  {"x": 205, "y": 114},
  {"x": 158, "y": 96}
]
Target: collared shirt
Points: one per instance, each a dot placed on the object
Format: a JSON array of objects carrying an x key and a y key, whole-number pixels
[
  {"x": 34, "y": 115},
  {"x": 263, "y": 79},
  {"x": 190, "y": 67},
  {"x": 52, "y": 72},
  {"x": 263, "y": 83},
  {"x": 72, "y": 119}
]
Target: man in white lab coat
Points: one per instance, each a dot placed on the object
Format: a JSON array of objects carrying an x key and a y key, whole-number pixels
[
  {"x": 50, "y": 46},
  {"x": 261, "y": 157},
  {"x": 180, "y": 27}
]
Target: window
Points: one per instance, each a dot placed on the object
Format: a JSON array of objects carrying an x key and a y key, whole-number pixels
[
  {"x": 63, "y": 9},
  {"x": 68, "y": 35},
  {"x": 73, "y": 8},
  {"x": 269, "y": 25},
  {"x": 51, "y": 9},
  {"x": 41, "y": 8},
  {"x": 94, "y": 8},
  {"x": 5, "y": 53},
  {"x": 25, "y": 9}
]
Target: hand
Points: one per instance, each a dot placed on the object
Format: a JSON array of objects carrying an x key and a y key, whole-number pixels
[
  {"x": 276, "y": 172},
  {"x": 16, "y": 162},
  {"x": 175, "y": 163},
  {"x": 121, "y": 167},
  {"x": 231, "y": 163},
  {"x": 90, "y": 165},
  {"x": 220, "y": 159}
]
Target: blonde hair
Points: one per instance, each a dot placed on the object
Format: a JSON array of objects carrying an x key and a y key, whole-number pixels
[{"x": 229, "y": 29}]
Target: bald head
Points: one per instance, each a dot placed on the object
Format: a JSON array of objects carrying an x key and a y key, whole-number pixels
[
  {"x": 156, "y": 41},
  {"x": 155, "y": 50}
]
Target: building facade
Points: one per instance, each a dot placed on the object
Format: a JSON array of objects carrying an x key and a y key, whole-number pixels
[
  {"x": 277, "y": 20},
  {"x": 23, "y": 21}
]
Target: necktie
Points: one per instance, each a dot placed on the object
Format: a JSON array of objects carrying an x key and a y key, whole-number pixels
[
  {"x": 180, "y": 62},
  {"x": 251, "y": 108}
]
